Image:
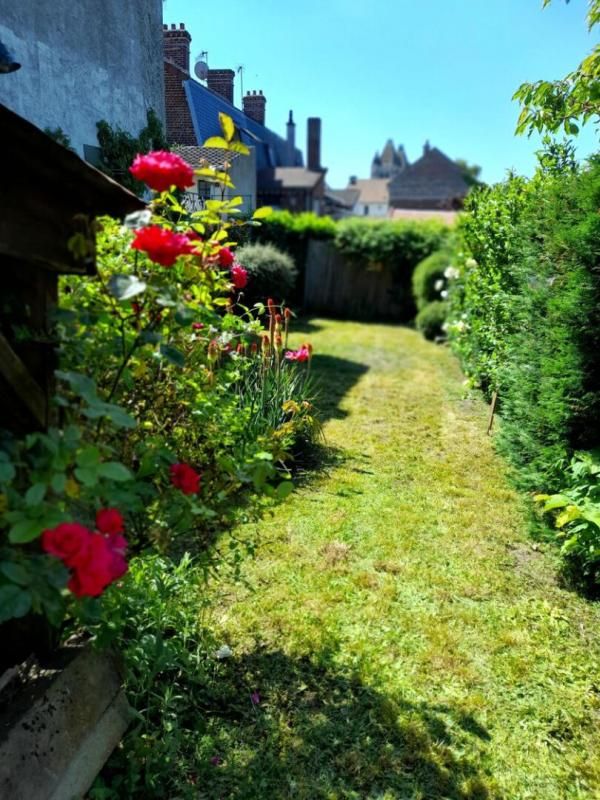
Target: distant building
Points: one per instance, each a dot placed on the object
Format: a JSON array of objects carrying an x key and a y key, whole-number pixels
[
  {"x": 82, "y": 62},
  {"x": 432, "y": 182},
  {"x": 373, "y": 197},
  {"x": 279, "y": 176},
  {"x": 390, "y": 163}
]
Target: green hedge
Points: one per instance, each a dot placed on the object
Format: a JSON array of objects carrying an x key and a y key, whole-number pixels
[
  {"x": 429, "y": 278},
  {"x": 525, "y": 313},
  {"x": 389, "y": 244}
]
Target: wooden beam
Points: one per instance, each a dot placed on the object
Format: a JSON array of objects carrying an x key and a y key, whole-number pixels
[{"x": 22, "y": 382}]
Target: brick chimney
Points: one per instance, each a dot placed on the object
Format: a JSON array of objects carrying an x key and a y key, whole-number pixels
[
  {"x": 313, "y": 148},
  {"x": 291, "y": 138},
  {"x": 176, "y": 45},
  {"x": 220, "y": 81},
  {"x": 255, "y": 106}
]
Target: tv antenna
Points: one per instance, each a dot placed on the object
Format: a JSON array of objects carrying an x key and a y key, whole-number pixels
[
  {"x": 240, "y": 72},
  {"x": 201, "y": 66}
]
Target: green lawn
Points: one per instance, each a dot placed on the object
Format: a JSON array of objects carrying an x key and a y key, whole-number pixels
[{"x": 405, "y": 636}]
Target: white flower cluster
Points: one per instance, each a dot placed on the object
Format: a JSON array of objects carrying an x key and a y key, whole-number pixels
[{"x": 451, "y": 273}]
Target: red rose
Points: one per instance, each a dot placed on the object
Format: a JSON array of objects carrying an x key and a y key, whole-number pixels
[
  {"x": 239, "y": 276},
  {"x": 197, "y": 326},
  {"x": 185, "y": 478},
  {"x": 93, "y": 575},
  {"x": 160, "y": 170},
  {"x": 109, "y": 520},
  {"x": 69, "y": 541},
  {"x": 162, "y": 245},
  {"x": 226, "y": 257},
  {"x": 118, "y": 565}
]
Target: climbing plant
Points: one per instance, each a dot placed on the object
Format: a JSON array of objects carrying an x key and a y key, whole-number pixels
[{"x": 118, "y": 148}]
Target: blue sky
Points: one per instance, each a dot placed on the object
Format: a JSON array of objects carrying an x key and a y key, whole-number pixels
[{"x": 443, "y": 70}]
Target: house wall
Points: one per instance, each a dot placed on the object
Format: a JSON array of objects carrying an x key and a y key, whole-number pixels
[
  {"x": 84, "y": 61},
  {"x": 374, "y": 209}
]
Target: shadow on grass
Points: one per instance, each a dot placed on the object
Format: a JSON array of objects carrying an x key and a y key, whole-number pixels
[
  {"x": 278, "y": 727},
  {"x": 334, "y": 378}
]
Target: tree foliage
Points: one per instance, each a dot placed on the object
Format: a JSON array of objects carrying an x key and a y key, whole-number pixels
[{"x": 549, "y": 106}]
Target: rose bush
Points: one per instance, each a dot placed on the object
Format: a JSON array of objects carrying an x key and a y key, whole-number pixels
[{"x": 174, "y": 420}]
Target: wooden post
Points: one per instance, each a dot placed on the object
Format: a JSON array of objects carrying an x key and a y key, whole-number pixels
[{"x": 492, "y": 412}]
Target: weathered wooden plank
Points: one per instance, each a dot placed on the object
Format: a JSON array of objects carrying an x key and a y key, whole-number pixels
[
  {"x": 55, "y": 739},
  {"x": 22, "y": 382}
]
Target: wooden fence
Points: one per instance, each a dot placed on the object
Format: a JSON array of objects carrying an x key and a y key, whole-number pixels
[{"x": 337, "y": 288}]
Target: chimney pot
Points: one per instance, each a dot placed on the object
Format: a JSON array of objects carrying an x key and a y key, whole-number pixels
[
  {"x": 176, "y": 46},
  {"x": 220, "y": 81},
  {"x": 314, "y": 144},
  {"x": 255, "y": 105}
]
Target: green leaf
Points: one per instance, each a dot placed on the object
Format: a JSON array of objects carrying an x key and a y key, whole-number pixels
[
  {"x": 7, "y": 471},
  {"x": 86, "y": 475},
  {"x": 172, "y": 355},
  {"x": 218, "y": 142},
  {"x": 284, "y": 490},
  {"x": 227, "y": 126},
  {"x": 123, "y": 287},
  {"x": 262, "y": 213},
  {"x": 151, "y": 337},
  {"x": 14, "y": 602},
  {"x": 115, "y": 471},
  {"x": 58, "y": 482},
  {"x": 26, "y": 530},
  {"x": 16, "y": 573},
  {"x": 35, "y": 494},
  {"x": 88, "y": 457}
]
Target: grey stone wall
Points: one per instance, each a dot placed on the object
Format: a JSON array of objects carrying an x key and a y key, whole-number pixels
[{"x": 84, "y": 60}]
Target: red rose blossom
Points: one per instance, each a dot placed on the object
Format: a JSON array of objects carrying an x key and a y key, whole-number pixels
[
  {"x": 109, "y": 520},
  {"x": 160, "y": 170},
  {"x": 185, "y": 478},
  {"x": 69, "y": 541},
  {"x": 93, "y": 575},
  {"x": 162, "y": 245},
  {"x": 226, "y": 257},
  {"x": 239, "y": 276}
]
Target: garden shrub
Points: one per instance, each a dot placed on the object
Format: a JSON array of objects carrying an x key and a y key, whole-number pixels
[
  {"x": 431, "y": 318},
  {"x": 525, "y": 311},
  {"x": 430, "y": 277},
  {"x": 575, "y": 511},
  {"x": 161, "y": 440},
  {"x": 272, "y": 273}
]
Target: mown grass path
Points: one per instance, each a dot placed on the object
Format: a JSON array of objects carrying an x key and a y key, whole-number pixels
[{"x": 404, "y": 635}]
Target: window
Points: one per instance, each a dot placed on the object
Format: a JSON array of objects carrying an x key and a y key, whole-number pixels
[{"x": 366, "y": 211}]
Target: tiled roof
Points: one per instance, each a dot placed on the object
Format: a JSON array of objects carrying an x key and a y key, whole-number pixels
[
  {"x": 271, "y": 149},
  {"x": 371, "y": 190},
  {"x": 344, "y": 197},
  {"x": 419, "y": 214},
  {"x": 288, "y": 178},
  {"x": 434, "y": 179},
  {"x": 195, "y": 155}
]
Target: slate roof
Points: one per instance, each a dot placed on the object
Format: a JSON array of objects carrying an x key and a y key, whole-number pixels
[
  {"x": 288, "y": 178},
  {"x": 434, "y": 181},
  {"x": 371, "y": 190},
  {"x": 196, "y": 155},
  {"x": 271, "y": 149},
  {"x": 343, "y": 197}
]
